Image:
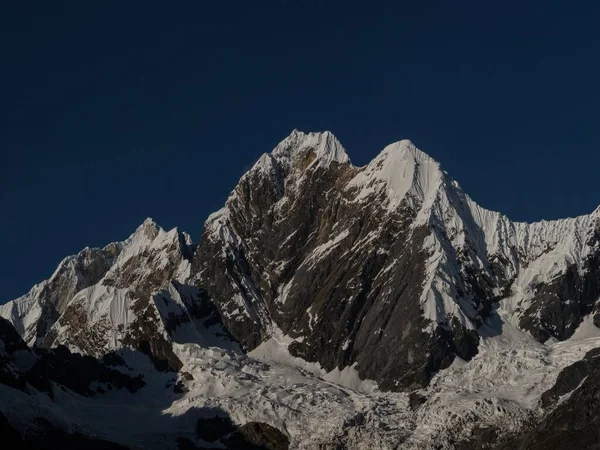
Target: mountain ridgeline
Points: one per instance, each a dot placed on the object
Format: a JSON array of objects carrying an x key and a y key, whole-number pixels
[
  {"x": 389, "y": 268},
  {"x": 326, "y": 306}
]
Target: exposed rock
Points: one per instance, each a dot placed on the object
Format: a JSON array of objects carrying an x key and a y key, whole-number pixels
[
  {"x": 574, "y": 423},
  {"x": 10, "y": 344},
  {"x": 481, "y": 438},
  {"x": 130, "y": 294},
  {"x": 250, "y": 436},
  {"x": 416, "y": 400},
  {"x": 292, "y": 249},
  {"x": 572, "y": 376},
  {"x": 78, "y": 372},
  {"x": 257, "y": 436},
  {"x": 44, "y": 367},
  {"x": 34, "y": 314},
  {"x": 363, "y": 266},
  {"x": 389, "y": 271}
]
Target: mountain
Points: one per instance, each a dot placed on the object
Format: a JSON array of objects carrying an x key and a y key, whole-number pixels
[
  {"x": 389, "y": 268},
  {"x": 127, "y": 294},
  {"x": 326, "y": 306}
]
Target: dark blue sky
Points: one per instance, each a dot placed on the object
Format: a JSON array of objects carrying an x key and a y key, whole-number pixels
[{"x": 113, "y": 113}]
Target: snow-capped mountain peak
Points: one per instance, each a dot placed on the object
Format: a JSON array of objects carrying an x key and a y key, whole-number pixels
[
  {"x": 386, "y": 275},
  {"x": 149, "y": 226},
  {"x": 102, "y": 299},
  {"x": 323, "y": 147},
  {"x": 286, "y": 227},
  {"x": 403, "y": 172},
  {"x": 149, "y": 236}
]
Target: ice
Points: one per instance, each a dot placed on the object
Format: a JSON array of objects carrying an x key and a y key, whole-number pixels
[
  {"x": 501, "y": 386},
  {"x": 400, "y": 169}
]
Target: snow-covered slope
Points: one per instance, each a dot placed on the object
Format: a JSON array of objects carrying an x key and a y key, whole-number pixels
[
  {"x": 138, "y": 300},
  {"x": 34, "y": 313},
  {"x": 352, "y": 261},
  {"x": 374, "y": 307},
  {"x": 498, "y": 390}
]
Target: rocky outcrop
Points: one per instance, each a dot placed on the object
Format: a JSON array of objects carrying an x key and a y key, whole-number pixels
[
  {"x": 220, "y": 430},
  {"x": 571, "y": 377},
  {"x": 44, "y": 368},
  {"x": 575, "y": 420},
  {"x": 12, "y": 351},
  {"x": 559, "y": 305},
  {"x": 257, "y": 436}
]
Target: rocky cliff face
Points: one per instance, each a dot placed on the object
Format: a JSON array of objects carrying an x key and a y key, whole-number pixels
[
  {"x": 390, "y": 268},
  {"x": 574, "y": 403},
  {"x": 314, "y": 278}
]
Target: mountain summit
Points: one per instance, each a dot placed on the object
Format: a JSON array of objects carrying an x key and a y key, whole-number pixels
[
  {"x": 369, "y": 296},
  {"x": 324, "y": 147},
  {"x": 350, "y": 262}
]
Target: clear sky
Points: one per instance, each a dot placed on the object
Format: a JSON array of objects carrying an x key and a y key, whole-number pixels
[{"x": 114, "y": 111}]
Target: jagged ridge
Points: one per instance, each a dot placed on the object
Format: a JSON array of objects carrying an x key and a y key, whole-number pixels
[
  {"x": 430, "y": 266},
  {"x": 389, "y": 271}
]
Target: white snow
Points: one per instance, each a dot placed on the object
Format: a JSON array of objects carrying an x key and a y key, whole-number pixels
[
  {"x": 326, "y": 146},
  {"x": 500, "y": 386},
  {"x": 399, "y": 170}
]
